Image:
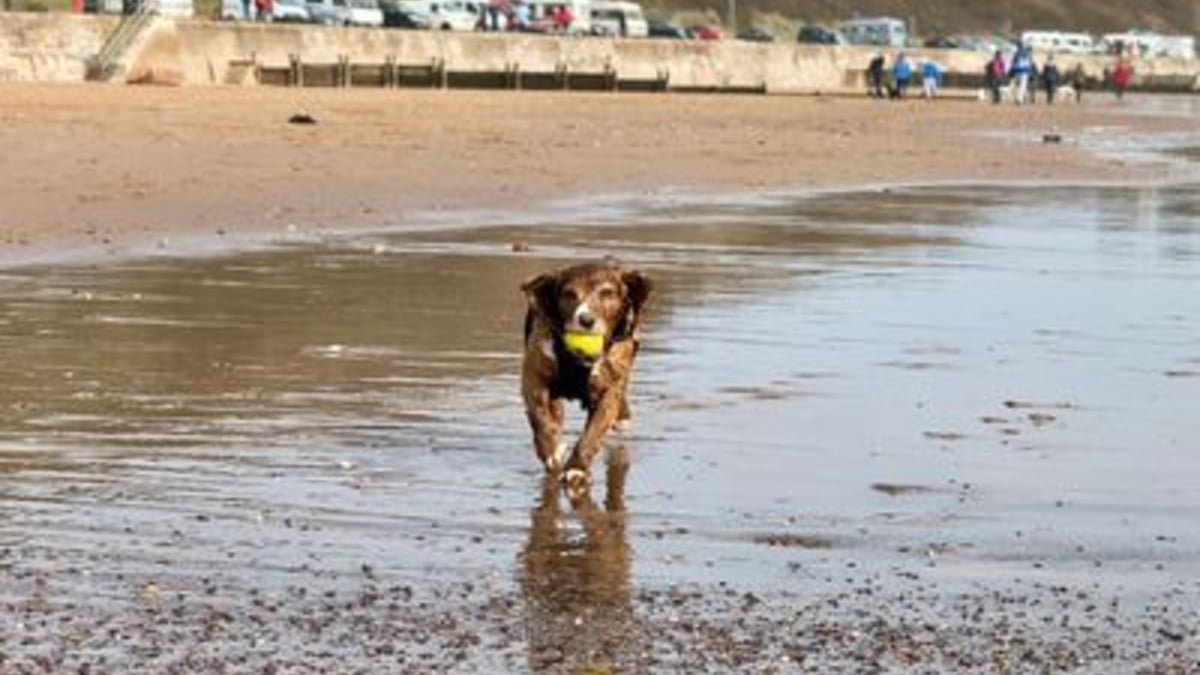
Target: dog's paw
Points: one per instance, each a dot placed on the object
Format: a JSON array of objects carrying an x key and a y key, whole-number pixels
[
  {"x": 556, "y": 461},
  {"x": 577, "y": 483},
  {"x": 623, "y": 425}
]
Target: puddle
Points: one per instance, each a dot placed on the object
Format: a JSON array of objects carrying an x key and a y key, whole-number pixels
[{"x": 857, "y": 416}]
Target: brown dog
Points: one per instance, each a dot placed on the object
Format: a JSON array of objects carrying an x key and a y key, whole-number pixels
[{"x": 581, "y": 338}]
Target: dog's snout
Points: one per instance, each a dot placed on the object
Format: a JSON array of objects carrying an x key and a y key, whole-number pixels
[{"x": 587, "y": 320}]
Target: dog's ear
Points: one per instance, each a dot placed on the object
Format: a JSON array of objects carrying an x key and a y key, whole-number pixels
[
  {"x": 542, "y": 294},
  {"x": 637, "y": 289},
  {"x": 637, "y": 292}
]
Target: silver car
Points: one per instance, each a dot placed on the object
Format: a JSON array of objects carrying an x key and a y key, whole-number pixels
[{"x": 346, "y": 12}]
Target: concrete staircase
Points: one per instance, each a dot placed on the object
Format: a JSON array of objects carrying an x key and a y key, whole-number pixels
[{"x": 110, "y": 60}]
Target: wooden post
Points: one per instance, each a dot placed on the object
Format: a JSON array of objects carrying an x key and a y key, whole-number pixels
[
  {"x": 295, "y": 71},
  {"x": 442, "y": 78},
  {"x": 389, "y": 71}
]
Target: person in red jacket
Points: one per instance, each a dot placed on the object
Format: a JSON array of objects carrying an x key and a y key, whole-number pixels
[
  {"x": 1120, "y": 77},
  {"x": 563, "y": 18}
]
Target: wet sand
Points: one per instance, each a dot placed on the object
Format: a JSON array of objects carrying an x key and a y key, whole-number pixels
[
  {"x": 903, "y": 430},
  {"x": 922, "y": 430},
  {"x": 96, "y": 169}
]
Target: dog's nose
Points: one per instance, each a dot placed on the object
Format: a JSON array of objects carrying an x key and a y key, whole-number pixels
[{"x": 587, "y": 320}]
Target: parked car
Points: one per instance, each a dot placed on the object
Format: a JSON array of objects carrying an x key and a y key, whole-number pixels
[
  {"x": 619, "y": 18},
  {"x": 1044, "y": 41},
  {"x": 345, "y": 12},
  {"x": 704, "y": 32},
  {"x": 365, "y": 13},
  {"x": 329, "y": 12},
  {"x": 944, "y": 42},
  {"x": 395, "y": 16},
  {"x": 819, "y": 35},
  {"x": 291, "y": 11},
  {"x": 666, "y": 29},
  {"x": 755, "y": 34},
  {"x": 881, "y": 31},
  {"x": 456, "y": 15}
]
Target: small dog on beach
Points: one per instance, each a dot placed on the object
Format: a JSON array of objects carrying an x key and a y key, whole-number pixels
[{"x": 581, "y": 339}]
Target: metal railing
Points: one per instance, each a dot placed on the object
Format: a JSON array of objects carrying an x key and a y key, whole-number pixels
[{"x": 107, "y": 62}]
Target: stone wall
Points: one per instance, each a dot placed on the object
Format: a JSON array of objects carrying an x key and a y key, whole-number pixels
[
  {"x": 55, "y": 47},
  {"x": 41, "y": 47}
]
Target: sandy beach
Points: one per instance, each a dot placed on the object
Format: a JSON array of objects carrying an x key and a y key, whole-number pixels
[
  {"x": 942, "y": 426},
  {"x": 97, "y": 168}
]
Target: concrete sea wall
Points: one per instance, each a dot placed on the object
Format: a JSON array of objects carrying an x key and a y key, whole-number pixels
[
  {"x": 55, "y": 47},
  {"x": 49, "y": 47}
]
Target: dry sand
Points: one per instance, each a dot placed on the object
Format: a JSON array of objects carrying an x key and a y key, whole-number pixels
[{"x": 90, "y": 168}]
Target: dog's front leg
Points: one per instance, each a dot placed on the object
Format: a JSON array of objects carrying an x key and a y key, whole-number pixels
[
  {"x": 546, "y": 420},
  {"x": 599, "y": 422}
]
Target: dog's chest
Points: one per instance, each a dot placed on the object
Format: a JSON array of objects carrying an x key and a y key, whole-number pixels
[{"x": 572, "y": 375}]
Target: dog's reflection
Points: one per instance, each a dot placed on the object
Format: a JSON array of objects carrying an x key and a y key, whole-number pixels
[{"x": 578, "y": 609}]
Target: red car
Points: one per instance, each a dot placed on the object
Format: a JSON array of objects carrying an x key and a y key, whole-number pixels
[{"x": 705, "y": 32}]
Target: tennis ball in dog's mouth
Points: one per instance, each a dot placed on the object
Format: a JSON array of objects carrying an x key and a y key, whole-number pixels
[{"x": 586, "y": 345}]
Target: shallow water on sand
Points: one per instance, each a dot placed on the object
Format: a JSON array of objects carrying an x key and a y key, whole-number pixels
[{"x": 991, "y": 388}]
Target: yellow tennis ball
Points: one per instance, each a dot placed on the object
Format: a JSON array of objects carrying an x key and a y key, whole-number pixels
[{"x": 585, "y": 345}]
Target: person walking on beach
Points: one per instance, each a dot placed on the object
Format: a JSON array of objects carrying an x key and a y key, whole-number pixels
[
  {"x": 1050, "y": 79},
  {"x": 1121, "y": 75},
  {"x": 562, "y": 18},
  {"x": 1019, "y": 70},
  {"x": 931, "y": 78},
  {"x": 265, "y": 10},
  {"x": 994, "y": 75},
  {"x": 520, "y": 17},
  {"x": 492, "y": 13},
  {"x": 901, "y": 74},
  {"x": 875, "y": 76},
  {"x": 1078, "y": 81},
  {"x": 1035, "y": 78}
]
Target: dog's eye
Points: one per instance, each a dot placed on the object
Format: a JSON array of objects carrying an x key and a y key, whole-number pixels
[
  {"x": 570, "y": 296},
  {"x": 608, "y": 293}
]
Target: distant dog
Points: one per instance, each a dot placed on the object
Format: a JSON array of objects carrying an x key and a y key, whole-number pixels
[
  {"x": 581, "y": 339},
  {"x": 1067, "y": 93}
]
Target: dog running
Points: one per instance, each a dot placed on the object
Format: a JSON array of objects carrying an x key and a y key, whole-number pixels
[{"x": 581, "y": 339}]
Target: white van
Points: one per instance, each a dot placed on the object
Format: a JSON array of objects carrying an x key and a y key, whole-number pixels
[
  {"x": 365, "y": 13},
  {"x": 882, "y": 31},
  {"x": 619, "y": 18},
  {"x": 1149, "y": 45},
  {"x": 1176, "y": 46},
  {"x": 461, "y": 15},
  {"x": 1058, "y": 41},
  {"x": 174, "y": 9}
]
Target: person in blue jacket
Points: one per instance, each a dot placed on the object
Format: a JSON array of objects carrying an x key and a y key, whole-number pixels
[
  {"x": 931, "y": 77},
  {"x": 1019, "y": 71},
  {"x": 901, "y": 74}
]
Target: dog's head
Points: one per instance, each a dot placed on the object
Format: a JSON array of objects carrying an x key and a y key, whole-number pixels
[{"x": 598, "y": 299}]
